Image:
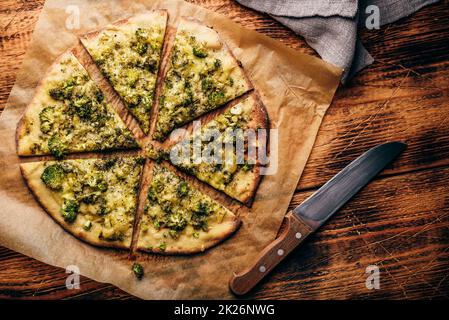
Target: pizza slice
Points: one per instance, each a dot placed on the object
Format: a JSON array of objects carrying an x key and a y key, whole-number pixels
[
  {"x": 202, "y": 75},
  {"x": 69, "y": 113},
  {"x": 94, "y": 199},
  {"x": 210, "y": 154},
  {"x": 128, "y": 53},
  {"x": 179, "y": 219}
]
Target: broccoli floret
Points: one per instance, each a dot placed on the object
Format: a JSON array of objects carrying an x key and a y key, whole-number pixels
[
  {"x": 132, "y": 75},
  {"x": 57, "y": 147},
  {"x": 69, "y": 210},
  {"x": 96, "y": 181},
  {"x": 103, "y": 209},
  {"x": 106, "y": 164},
  {"x": 140, "y": 160},
  {"x": 53, "y": 176},
  {"x": 247, "y": 167},
  {"x": 83, "y": 107},
  {"x": 46, "y": 116},
  {"x": 140, "y": 47},
  {"x": 183, "y": 189},
  {"x": 157, "y": 224},
  {"x": 174, "y": 234},
  {"x": 206, "y": 84},
  {"x": 151, "y": 65},
  {"x": 162, "y": 246},
  {"x": 63, "y": 91},
  {"x": 199, "y": 216},
  {"x": 87, "y": 225},
  {"x": 216, "y": 98},
  {"x": 188, "y": 100},
  {"x": 176, "y": 221},
  {"x": 99, "y": 96},
  {"x": 200, "y": 53},
  {"x": 166, "y": 205},
  {"x": 90, "y": 198},
  {"x": 203, "y": 209},
  {"x": 102, "y": 186},
  {"x": 138, "y": 270},
  {"x": 152, "y": 195},
  {"x": 141, "y": 34},
  {"x": 217, "y": 64}
]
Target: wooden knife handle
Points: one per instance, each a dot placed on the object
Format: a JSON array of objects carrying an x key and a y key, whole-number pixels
[{"x": 294, "y": 233}]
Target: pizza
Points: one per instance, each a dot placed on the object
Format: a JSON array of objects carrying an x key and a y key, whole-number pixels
[
  {"x": 128, "y": 53},
  {"x": 202, "y": 76},
  {"x": 237, "y": 175},
  {"x": 69, "y": 113},
  {"x": 138, "y": 200},
  {"x": 94, "y": 199},
  {"x": 178, "y": 218}
]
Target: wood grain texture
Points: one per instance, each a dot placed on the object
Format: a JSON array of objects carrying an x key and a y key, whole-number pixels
[
  {"x": 294, "y": 233},
  {"x": 400, "y": 222}
]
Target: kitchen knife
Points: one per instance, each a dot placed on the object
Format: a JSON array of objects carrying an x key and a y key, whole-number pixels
[{"x": 314, "y": 211}]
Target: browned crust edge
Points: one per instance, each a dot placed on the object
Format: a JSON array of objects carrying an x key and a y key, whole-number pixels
[
  {"x": 164, "y": 75},
  {"x": 20, "y": 129},
  {"x": 262, "y": 122},
  {"x": 235, "y": 226},
  {"x": 77, "y": 235},
  {"x": 225, "y": 45}
]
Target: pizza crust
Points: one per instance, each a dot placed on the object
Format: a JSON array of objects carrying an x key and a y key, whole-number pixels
[
  {"x": 215, "y": 48},
  {"x": 259, "y": 120},
  {"x": 218, "y": 229},
  {"x": 245, "y": 183},
  {"x": 144, "y": 20},
  {"x": 52, "y": 202},
  {"x": 25, "y": 140},
  {"x": 28, "y": 132}
]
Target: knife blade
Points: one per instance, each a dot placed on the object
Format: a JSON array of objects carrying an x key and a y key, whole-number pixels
[{"x": 316, "y": 210}]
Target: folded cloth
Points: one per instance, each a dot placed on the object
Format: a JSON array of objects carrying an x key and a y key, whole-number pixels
[{"x": 330, "y": 26}]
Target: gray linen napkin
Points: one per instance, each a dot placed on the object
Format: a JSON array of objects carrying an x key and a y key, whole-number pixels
[{"x": 330, "y": 26}]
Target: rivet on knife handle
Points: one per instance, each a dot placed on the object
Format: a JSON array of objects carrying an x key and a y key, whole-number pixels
[{"x": 294, "y": 233}]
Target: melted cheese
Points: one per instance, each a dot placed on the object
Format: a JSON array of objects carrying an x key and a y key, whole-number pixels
[
  {"x": 129, "y": 56},
  {"x": 105, "y": 192},
  {"x": 235, "y": 179},
  {"x": 202, "y": 76},
  {"x": 70, "y": 113},
  {"x": 176, "y": 214}
]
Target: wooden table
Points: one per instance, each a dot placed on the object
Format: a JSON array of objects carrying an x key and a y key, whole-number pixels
[{"x": 400, "y": 222}]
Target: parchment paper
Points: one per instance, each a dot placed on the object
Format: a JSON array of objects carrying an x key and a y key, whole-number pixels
[{"x": 296, "y": 89}]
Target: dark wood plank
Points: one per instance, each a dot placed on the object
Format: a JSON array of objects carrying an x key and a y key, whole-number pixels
[
  {"x": 21, "y": 276},
  {"x": 403, "y": 96},
  {"x": 17, "y": 21},
  {"x": 399, "y": 223}
]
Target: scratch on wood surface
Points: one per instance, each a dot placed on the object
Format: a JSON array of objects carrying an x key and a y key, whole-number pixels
[
  {"x": 410, "y": 70},
  {"x": 402, "y": 265},
  {"x": 430, "y": 71},
  {"x": 371, "y": 118},
  {"x": 368, "y": 246}
]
